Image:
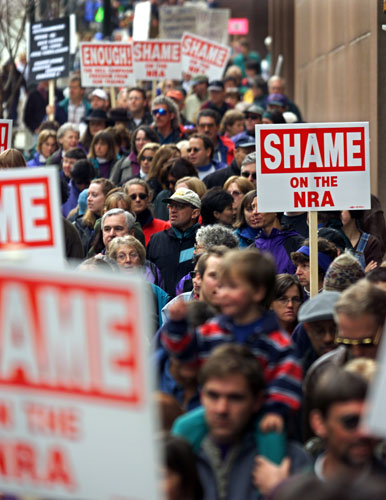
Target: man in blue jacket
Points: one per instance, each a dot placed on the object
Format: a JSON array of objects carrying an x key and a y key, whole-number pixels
[
  {"x": 229, "y": 440},
  {"x": 172, "y": 250}
]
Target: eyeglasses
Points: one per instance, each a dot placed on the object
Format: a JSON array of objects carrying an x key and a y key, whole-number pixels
[
  {"x": 284, "y": 300},
  {"x": 159, "y": 111},
  {"x": 131, "y": 255},
  {"x": 141, "y": 196},
  {"x": 147, "y": 158},
  {"x": 365, "y": 342},
  {"x": 195, "y": 150},
  {"x": 178, "y": 206},
  {"x": 350, "y": 422},
  {"x": 249, "y": 174}
]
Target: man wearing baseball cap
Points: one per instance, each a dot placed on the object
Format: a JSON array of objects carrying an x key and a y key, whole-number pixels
[
  {"x": 217, "y": 98},
  {"x": 171, "y": 250}
]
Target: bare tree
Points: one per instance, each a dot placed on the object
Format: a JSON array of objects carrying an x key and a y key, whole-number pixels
[{"x": 13, "y": 18}]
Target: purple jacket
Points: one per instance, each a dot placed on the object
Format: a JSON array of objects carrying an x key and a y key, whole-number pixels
[{"x": 280, "y": 244}]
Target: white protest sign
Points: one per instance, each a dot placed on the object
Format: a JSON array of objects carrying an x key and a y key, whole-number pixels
[
  {"x": 203, "y": 56},
  {"x": 213, "y": 24},
  {"x": 313, "y": 166},
  {"x": 174, "y": 20},
  {"x": 141, "y": 22},
  {"x": 5, "y": 134},
  {"x": 157, "y": 59},
  {"x": 30, "y": 218},
  {"x": 106, "y": 64},
  {"x": 75, "y": 400}
]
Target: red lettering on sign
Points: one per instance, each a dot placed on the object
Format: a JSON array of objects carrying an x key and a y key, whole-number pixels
[
  {"x": 4, "y": 137},
  {"x": 202, "y": 50},
  {"x": 25, "y": 213},
  {"x": 90, "y": 335},
  {"x": 285, "y": 151},
  {"x": 106, "y": 55},
  {"x": 23, "y": 461},
  {"x": 312, "y": 199},
  {"x": 157, "y": 51}
]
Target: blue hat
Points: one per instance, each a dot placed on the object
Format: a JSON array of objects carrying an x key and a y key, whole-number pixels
[{"x": 82, "y": 201}]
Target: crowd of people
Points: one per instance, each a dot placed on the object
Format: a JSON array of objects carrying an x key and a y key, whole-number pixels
[{"x": 261, "y": 388}]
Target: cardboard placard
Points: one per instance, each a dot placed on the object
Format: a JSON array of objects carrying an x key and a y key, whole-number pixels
[
  {"x": 107, "y": 64},
  {"x": 30, "y": 219},
  {"x": 5, "y": 134},
  {"x": 157, "y": 59},
  {"x": 313, "y": 166},
  {"x": 202, "y": 56},
  {"x": 76, "y": 416},
  {"x": 49, "y": 47}
]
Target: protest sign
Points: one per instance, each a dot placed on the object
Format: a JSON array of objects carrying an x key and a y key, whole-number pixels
[
  {"x": 313, "y": 166},
  {"x": 197, "y": 19},
  {"x": 106, "y": 64},
  {"x": 75, "y": 400},
  {"x": 49, "y": 47},
  {"x": 5, "y": 134},
  {"x": 30, "y": 219},
  {"x": 157, "y": 59},
  {"x": 141, "y": 22},
  {"x": 213, "y": 25},
  {"x": 202, "y": 56},
  {"x": 175, "y": 20}
]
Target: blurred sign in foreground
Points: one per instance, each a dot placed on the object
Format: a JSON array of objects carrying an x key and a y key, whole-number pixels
[{"x": 75, "y": 410}]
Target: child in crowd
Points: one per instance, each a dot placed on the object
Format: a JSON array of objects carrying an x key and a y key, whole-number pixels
[{"x": 246, "y": 291}]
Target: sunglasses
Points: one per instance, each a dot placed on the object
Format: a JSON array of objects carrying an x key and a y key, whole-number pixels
[
  {"x": 350, "y": 422},
  {"x": 193, "y": 274},
  {"x": 247, "y": 175},
  {"x": 147, "y": 158},
  {"x": 195, "y": 150},
  {"x": 366, "y": 342},
  {"x": 234, "y": 193},
  {"x": 141, "y": 196},
  {"x": 159, "y": 111},
  {"x": 251, "y": 117}
]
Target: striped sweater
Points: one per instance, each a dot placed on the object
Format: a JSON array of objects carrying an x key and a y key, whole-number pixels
[{"x": 272, "y": 347}]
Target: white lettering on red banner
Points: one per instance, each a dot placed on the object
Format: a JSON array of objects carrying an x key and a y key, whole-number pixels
[
  {"x": 106, "y": 64},
  {"x": 29, "y": 212},
  {"x": 72, "y": 383},
  {"x": 313, "y": 166},
  {"x": 202, "y": 56},
  {"x": 157, "y": 59}
]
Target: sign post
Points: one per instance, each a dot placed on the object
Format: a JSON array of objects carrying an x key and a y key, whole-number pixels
[
  {"x": 76, "y": 416},
  {"x": 313, "y": 167}
]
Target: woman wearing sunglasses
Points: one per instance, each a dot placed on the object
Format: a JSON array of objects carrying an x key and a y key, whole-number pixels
[{"x": 140, "y": 195}]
